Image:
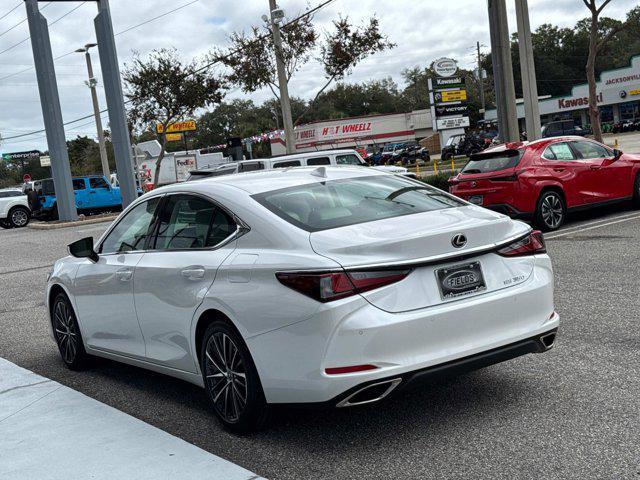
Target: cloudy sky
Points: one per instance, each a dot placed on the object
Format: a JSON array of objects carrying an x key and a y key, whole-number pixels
[{"x": 422, "y": 29}]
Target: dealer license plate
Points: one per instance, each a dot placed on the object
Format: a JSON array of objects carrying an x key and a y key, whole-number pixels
[{"x": 459, "y": 280}]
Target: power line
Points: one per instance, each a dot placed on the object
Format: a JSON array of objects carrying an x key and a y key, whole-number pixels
[
  {"x": 204, "y": 67},
  {"x": 22, "y": 21},
  {"x": 3, "y": 16},
  {"x": 50, "y": 25},
  {"x": 121, "y": 32},
  {"x": 156, "y": 18}
]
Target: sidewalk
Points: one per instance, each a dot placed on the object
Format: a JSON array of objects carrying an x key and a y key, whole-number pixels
[{"x": 49, "y": 431}]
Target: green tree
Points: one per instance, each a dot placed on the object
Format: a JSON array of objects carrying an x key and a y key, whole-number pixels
[
  {"x": 164, "y": 90},
  {"x": 251, "y": 58}
]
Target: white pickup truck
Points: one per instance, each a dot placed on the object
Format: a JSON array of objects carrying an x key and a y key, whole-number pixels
[
  {"x": 326, "y": 157},
  {"x": 14, "y": 208}
]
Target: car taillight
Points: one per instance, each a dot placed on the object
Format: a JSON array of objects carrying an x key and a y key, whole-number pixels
[
  {"x": 529, "y": 245},
  {"x": 325, "y": 287}
]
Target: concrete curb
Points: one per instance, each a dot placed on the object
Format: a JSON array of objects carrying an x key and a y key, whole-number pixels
[
  {"x": 50, "y": 431},
  {"x": 75, "y": 223}
]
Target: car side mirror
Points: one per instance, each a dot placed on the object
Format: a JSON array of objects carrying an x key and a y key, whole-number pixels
[
  {"x": 83, "y": 248},
  {"x": 616, "y": 154}
]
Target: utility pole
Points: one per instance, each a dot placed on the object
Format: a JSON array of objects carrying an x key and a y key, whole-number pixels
[
  {"x": 91, "y": 83},
  {"x": 115, "y": 103},
  {"x": 503, "y": 71},
  {"x": 528, "y": 72},
  {"x": 276, "y": 17},
  {"x": 480, "y": 78},
  {"x": 51, "y": 112}
]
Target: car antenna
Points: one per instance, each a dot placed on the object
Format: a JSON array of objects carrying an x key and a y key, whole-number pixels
[{"x": 320, "y": 172}]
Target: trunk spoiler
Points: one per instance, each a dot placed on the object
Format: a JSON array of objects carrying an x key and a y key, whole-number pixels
[{"x": 509, "y": 152}]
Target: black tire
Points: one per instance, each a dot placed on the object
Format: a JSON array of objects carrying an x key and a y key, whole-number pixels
[
  {"x": 447, "y": 156},
  {"x": 4, "y": 223},
  {"x": 67, "y": 334},
  {"x": 551, "y": 211},
  {"x": 229, "y": 374},
  {"x": 19, "y": 217},
  {"x": 53, "y": 213},
  {"x": 636, "y": 192}
]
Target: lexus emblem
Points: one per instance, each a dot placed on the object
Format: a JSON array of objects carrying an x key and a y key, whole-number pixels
[{"x": 459, "y": 240}]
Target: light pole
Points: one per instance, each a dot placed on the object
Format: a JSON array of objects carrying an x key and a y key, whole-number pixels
[
  {"x": 91, "y": 83},
  {"x": 274, "y": 21}
]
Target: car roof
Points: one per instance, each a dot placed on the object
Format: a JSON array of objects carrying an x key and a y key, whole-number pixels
[{"x": 268, "y": 180}]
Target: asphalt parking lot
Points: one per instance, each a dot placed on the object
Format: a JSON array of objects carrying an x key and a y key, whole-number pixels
[{"x": 570, "y": 413}]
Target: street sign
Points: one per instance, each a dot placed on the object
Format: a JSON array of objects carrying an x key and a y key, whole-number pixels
[
  {"x": 444, "y": 110},
  {"x": 174, "y": 137},
  {"x": 21, "y": 156},
  {"x": 445, "y": 96},
  {"x": 448, "y": 82},
  {"x": 445, "y": 67},
  {"x": 26, "y": 178},
  {"x": 452, "y": 122},
  {"x": 186, "y": 126},
  {"x": 45, "y": 161}
]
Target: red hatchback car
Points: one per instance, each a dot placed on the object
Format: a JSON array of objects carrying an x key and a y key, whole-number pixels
[{"x": 544, "y": 179}]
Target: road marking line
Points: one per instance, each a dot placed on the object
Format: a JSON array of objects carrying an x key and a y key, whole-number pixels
[
  {"x": 38, "y": 414},
  {"x": 587, "y": 224},
  {"x": 593, "y": 227}
]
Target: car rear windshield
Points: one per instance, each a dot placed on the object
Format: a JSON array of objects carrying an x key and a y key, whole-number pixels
[
  {"x": 493, "y": 161},
  {"x": 338, "y": 203}
]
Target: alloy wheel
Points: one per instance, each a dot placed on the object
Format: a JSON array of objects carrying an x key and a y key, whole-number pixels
[
  {"x": 19, "y": 218},
  {"x": 225, "y": 376},
  {"x": 65, "y": 330},
  {"x": 552, "y": 211}
]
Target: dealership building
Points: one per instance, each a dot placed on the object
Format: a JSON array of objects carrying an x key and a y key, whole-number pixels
[
  {"x": 618, "y": 99},
  {"x": 358, "y": 132}
]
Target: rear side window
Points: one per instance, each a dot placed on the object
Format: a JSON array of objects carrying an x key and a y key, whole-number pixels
[
  {"x": 492, "y": 162},
  {"x": 318, "y": 161},
  {"x": 559, "y": 151},
  {"x": 79, "y": 184},
  {"x": 338, "y": 203},
  {"x": 290, "y": 163}
]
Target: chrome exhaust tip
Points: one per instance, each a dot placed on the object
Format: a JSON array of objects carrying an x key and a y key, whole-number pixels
[
  {"x": 548, "y": 340},
  {"x": 371, "y": 393}
]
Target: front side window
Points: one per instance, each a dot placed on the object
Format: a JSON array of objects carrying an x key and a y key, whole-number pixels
[
  {"x": 311, "y": 162},
  {"x": 590, "y": 150},
  {"x": 348, "y": 159},
  {"x": 338, "y": 203},
  {"x": 133, "y": 230},
  {"x": 559, "y": 151},
  {"x": 98, "y": 182},
  {"x": 189, "y": 221}
]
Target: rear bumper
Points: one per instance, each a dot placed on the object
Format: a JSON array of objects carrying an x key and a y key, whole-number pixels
[
  {"x": 352, "y": 331},
  {"x": 384, "y": 388},
  {"x": 509, "y": 210}
]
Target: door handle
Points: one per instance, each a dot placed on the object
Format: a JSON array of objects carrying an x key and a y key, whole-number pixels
[
  {"x": 124, "y": 274},
  {"x": 193, "y": 273}
]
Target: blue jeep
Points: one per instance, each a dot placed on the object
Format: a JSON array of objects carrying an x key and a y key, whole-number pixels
[{"x": 93, "y": 194}]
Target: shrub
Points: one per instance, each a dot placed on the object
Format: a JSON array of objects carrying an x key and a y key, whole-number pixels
[{"x": 441, "y": 180}]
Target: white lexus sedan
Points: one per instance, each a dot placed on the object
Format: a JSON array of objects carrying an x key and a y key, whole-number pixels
[{"x": 333, "y": 286}]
